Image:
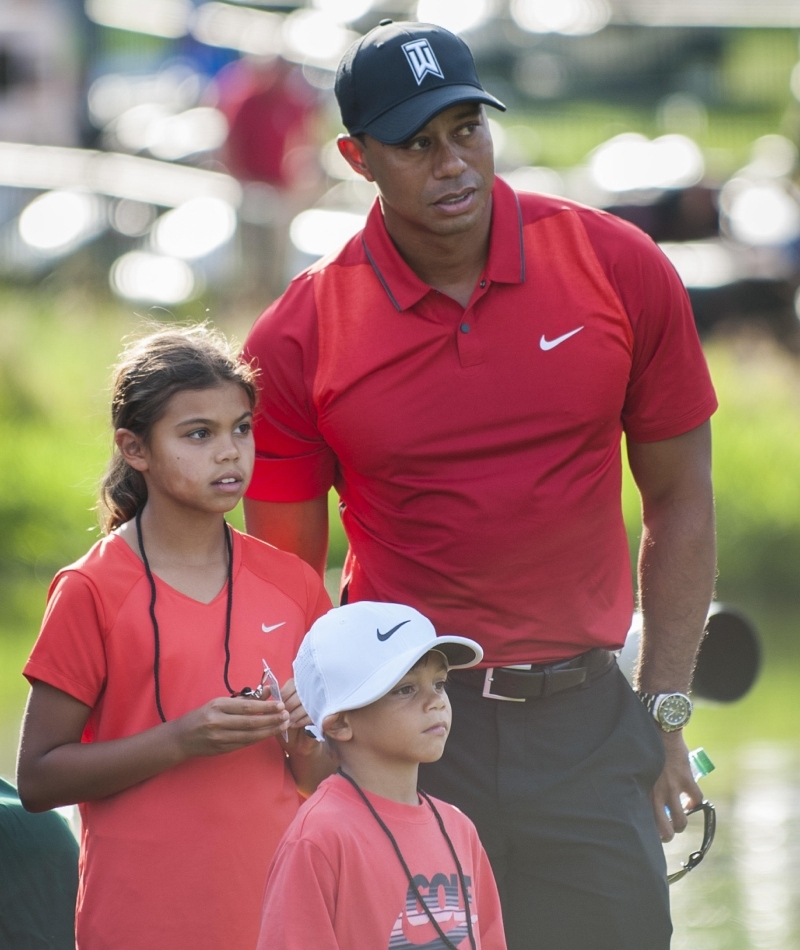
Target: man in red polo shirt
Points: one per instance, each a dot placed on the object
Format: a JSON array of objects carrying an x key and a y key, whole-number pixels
[{"x": 462, "y": 372}]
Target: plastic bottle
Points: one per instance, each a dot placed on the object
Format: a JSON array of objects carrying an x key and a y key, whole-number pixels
[{"x": 700, "y": 763}]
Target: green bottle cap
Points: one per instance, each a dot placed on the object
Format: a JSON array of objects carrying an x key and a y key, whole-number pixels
[{"x": 701, "y": 761}]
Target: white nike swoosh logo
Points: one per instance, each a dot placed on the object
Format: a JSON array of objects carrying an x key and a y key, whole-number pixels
[
  {"x": 275, "y": 626},
  {"x": 549, "y": 344}
]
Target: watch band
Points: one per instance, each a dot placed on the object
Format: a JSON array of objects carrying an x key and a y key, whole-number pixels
[{"x": 671, "y": 711}]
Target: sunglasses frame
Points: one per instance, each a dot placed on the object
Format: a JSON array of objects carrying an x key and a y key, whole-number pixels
[
  {"x": 709, "y": 829},
  {"x": 269, "y": 680}
]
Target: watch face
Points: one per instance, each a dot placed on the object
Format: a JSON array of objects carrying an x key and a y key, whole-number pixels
[{"x": 674, "y": 711}]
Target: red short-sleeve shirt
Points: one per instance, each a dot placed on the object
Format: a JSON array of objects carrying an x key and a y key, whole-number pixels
[
  {"x": 336, "y": 882},
  {"x": 178, "y": 860},
  {"x": 477, "y": 451}
]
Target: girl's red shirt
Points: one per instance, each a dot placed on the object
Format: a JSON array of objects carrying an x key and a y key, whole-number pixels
[{"x": 180, "y": 859}]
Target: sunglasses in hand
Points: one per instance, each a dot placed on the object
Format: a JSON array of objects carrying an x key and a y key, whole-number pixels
[{"x": 270, "y": 682}]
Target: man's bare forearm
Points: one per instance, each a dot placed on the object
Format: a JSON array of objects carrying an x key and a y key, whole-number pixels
[
  {"x": 677, "y": 568},
  {"x": 300, "y": 527},
  {"x": 676, "y": 583},
  {"x": 677, "y": 558}
]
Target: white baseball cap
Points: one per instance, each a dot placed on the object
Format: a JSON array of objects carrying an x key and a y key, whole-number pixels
[{"x": 355, "y": 654}]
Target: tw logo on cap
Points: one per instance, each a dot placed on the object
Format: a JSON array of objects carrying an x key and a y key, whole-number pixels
[{"x": 422, "y": 60}]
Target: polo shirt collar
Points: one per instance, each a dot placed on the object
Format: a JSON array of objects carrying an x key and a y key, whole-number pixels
[{"x": 505, "y": 263}]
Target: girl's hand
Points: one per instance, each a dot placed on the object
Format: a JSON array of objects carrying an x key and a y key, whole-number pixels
[
  {"x": 229, "y": 723},
  {"x": 56, "y": 768},
  {"x": 298, "y": 717},
  {"x": 309, "y": 760}
]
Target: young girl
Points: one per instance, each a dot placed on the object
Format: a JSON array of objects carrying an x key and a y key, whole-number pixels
[{"x": 148, "y": 641}]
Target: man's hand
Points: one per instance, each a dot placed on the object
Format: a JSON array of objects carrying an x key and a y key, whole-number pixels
[
  {"x": 675, "y": 780},
  {"x": 676, "y": 581}
]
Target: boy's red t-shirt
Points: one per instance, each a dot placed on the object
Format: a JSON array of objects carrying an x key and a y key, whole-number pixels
[
  {"x": 178, "y": 860},
  {"x": 336, "y": 882}
]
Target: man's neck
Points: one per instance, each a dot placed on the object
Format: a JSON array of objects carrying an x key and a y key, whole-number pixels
[{"x": 450, "y": 263}]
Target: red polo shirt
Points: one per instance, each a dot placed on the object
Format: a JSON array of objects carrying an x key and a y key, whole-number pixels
[{"x": 477, "y": 451}]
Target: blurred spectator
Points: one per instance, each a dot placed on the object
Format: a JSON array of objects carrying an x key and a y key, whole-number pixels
[
  {"x": 39, "y": 86},
  {"x": 678, "y": 214},
  {"x": 271, "y": 111},
  {"x": 38, "y": 877}
]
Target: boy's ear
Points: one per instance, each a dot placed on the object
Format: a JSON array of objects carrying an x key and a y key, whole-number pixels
[
  {"x": 338, "y": 727},
  {"x": 132, "y": 449}
]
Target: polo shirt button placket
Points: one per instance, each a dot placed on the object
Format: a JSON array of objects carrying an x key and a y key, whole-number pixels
[{"x": 470, "y": 351}]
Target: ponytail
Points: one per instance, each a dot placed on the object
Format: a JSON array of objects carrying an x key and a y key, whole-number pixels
[
  {"x": 123, "y": 491},
  {"x": 149, "y": 373}
]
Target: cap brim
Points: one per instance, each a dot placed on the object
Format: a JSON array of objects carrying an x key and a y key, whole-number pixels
[
  {"x": 401, "y": 122},
  {"x": 459, "y": 652}
]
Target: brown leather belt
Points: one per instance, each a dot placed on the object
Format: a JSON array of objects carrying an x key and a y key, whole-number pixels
[{"x": 517, "y": 685}]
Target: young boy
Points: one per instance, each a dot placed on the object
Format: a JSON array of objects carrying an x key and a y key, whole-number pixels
[{"x": 369, "y": 862}]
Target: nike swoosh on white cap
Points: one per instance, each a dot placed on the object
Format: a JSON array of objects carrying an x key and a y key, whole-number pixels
[
  {"x": 549, "y": 344},
  {"x": 275, "y": 626}
]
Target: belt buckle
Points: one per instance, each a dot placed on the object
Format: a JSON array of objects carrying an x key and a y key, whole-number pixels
[{"x": 487, "y": 689}]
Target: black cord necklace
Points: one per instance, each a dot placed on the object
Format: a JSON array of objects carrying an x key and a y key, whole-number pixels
[
  {"x": 412, "y": 884},
  {"x": 228, "y": 610}
]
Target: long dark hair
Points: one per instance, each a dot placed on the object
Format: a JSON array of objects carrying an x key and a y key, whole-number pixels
[{"x": 148, "y": 374}]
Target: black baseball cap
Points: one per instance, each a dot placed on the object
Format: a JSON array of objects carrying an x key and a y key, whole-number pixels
[{"x": 397, "y": 77}]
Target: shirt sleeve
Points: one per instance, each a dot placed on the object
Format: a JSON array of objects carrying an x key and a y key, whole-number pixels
[
  {"x": 319, "y": 602},
  {"x": 70, "y": 650},
  {"x": 670, "y": 390},
  {"x": 299, "y": 901},
  {"x": 293, "y": 462}
]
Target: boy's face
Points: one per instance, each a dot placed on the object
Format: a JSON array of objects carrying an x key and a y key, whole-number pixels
[{"x": 410, "y": 724}]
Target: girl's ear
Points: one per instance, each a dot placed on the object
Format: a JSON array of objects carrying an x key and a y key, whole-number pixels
[
  {"x": 338, "y": 727},
  {"x": 132, "y": 449}
]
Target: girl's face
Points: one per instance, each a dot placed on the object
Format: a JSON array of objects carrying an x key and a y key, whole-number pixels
[{"x": 200, "y": 453}]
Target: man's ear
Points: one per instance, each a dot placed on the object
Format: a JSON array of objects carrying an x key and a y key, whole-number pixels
[
  {"x": 352, "y": 151},
  {"x": 338, "y": 727},
  {"x": 132, "y": 449}
]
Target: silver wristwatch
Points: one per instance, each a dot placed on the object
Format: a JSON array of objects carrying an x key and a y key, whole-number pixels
[{"x": 671, "y": 711}]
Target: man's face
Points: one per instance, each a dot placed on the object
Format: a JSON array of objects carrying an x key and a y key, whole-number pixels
[{"x": 438, "y": 181}]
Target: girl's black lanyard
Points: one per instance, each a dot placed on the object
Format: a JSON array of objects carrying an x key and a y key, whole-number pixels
[
  {"x": 229, "y": 608},
  {"x": 411, "y": 883}
]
